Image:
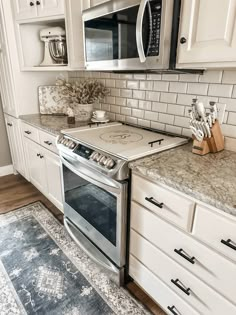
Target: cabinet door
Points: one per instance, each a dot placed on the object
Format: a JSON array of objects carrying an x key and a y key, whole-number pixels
[
  {"x": 25, "y": 9},
  {"x": 54, "y": 182},
  {"x": 15, "y": 144},
  {"x": 36, "y": 165},
  {"x": 207, "y": 36},
  {"x": 6, "y": 79},
  {"x": 93, "y": 3},
  {"x": 50, "y": 7}
]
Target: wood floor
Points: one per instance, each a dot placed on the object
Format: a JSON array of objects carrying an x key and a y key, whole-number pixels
[{"x": 16, "y": 192}]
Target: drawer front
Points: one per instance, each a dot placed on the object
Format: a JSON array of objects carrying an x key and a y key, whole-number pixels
[
  {"x": 176, "y": 209},
  {"x": 163, "y": 295},
  {"x": 48, "y": 141},
  {"x": 30, "y": 132},
  {"x": 189, "y": 287},
  {"x": 217, "y": 231},
  {"x": 207, "y": 265}
]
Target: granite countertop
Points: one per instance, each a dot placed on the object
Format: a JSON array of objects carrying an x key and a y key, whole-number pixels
[
  {"x": 50, "y": 123},
  {"x": 210, "y": 178}
]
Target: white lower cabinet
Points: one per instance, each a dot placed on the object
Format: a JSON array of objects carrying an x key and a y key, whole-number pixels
[{"x": 203, "y": 278}]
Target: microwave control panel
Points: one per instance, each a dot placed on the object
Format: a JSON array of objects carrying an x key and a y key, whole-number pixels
[{"x": 156, "y": 8}]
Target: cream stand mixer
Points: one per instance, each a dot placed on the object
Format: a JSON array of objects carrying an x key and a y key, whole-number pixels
[{"x": 55, "y": 52}]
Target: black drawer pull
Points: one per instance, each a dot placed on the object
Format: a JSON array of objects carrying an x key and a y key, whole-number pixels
[
  {"x": 155, "y": 203},
  {"x": 172, "y": 309},
  {"x": 48, "y": 142},
  {"x": 38, "y": 2},
  {"x": 184, "y": 255},
  {"x": 180, "y": 286},
  {"x": 38, "y": 154},
  {"x": 9, "y": 124},
  {"x": 28, "y": 132},
  {"x": 41, "y": 156},
  {"x": 31, "y": 4},
  {"x": 228, "y": 243}
]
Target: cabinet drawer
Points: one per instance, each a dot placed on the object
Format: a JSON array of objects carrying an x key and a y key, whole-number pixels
[
  {"x": 164, "y": 202},
  {"x": 163, "y": 295},
  {"x": 207, "y": 265},
  {"x": 189, "y": 287},
  {"x": 218, "y": 231},
  {"x": 30, "y": 132},
  {"x": 48, "y": 141}
]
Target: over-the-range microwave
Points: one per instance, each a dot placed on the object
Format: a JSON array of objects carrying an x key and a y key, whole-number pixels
[{"x": 126, "y": 35}]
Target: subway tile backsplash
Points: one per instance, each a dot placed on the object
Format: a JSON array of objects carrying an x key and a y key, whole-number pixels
[{"x": 162, "y": 101}]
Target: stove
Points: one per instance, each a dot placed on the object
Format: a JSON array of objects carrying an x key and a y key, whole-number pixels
[{"x": 96, "y": 185}]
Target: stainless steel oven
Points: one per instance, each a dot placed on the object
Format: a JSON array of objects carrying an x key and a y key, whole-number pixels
[
  {"x": 95, "y": 214},
  {"x": 130, "y": 34}
]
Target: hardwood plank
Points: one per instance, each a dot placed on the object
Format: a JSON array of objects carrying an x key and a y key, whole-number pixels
[{"x": 16, "y": 192}]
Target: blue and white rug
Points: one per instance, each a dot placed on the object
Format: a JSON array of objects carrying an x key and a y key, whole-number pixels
[{"x": 42, "y": 271}]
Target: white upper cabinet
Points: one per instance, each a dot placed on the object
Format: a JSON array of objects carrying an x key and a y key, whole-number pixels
[
  {"x": 207, "y": 34},
  {"x": 29, "y": 9}
]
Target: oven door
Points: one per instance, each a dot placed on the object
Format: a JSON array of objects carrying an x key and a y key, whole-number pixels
[{"x": 97, "y": 206}]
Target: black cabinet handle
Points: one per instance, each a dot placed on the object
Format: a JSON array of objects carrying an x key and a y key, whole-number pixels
[
  {"x": 38, "y": 154},
  {"x": 183, "y": 40},
  {"x": 172, "y": 309},
  {"x": 185, "y": 256},
  {"x": 41, "y": 156},
  {"x": 9, "y": 124},
  {"x": 38, "y": 2},
  {"x": 155, "y": 203},
  {"x": 178, "y": 285},
  {"x": 48, "y": 142},
  {"x": 28, "y": 132},
  {"x": 228, "y": 243},
  {"x": 31, "y": 4}
]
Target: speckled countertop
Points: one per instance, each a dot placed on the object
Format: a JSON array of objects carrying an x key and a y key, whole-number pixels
[
  {"x": 50, "y": 123},
  {"x": 210, "y": 178}
]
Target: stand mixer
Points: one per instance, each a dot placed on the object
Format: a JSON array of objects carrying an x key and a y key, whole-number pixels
[{"x": 55, "y": 52}]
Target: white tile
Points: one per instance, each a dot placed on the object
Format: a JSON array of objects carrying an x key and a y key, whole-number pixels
[
  {"x": 150, "y": 115},
  {"x": 97, "y": 106},
  {"x": 170, "y": 77},
  {"x": 211, "y": 76},
  {"x": 229, "y": 77},
  {"x": 234, "y": 92},
  {"x": 112, "y": 116},
  {"x": 189, "y": 77},
  {"x": 96, "y": 75},
  {"x": 126, "y": 93},
  {"x": 146, "y": 85},
  {"x": 174, "y": 129},
  {"x": 144, "y": 123},
  {"x": 168, "y": 97},
  {"x": 132, "y": 103},
  {"x": 145, "y": 105},
  {"x": 140, "y": 76},
  {"x": 121, "y": 84},
  {"x": 106, "y": 107},
  {"x": 229, "y": 130},
  {"x": 153, "y": 77},
  {"x": 120, "y": 101},
  {"x": 114, "y": 92},
  {"x": 197, "y": 88},
  {"x": 139, "y": 94},
  {"x": 115, "y": 109},
  {"x": 134, "y": 85},
  {"x": 87, "y": 74},
  {"x": 181, "y": 121},
  {"x": 175, "y": 109},
  {"x": 105, "y": 75},
  {"x": 137, "y": 113},
  {"x": 185, "y": 99},
  {"x": 125, "y": 111},
  {"x": 157, "y": 125},
  {"x": 131, "y": 120},
  {"x": 232, "y": 119},
  {"x": 223, "y": 90},
  {"x": 103, "y": 81},
  {"x": 120, "y": 117},
  {"x": 115, "y": 75},
  {"x": 230, "y": 103},
  {"x": 187, "y": 132},
  {"x": 165, "y": 118},
  {"x": 152, "y": 96},
  {"x": 159, "y": 107},
  {"x": 110, "y": 99},
  {"x": 126, "y": 76},
  {"x": 178, "y": 87},
  {"x": 161, "y": 86}
]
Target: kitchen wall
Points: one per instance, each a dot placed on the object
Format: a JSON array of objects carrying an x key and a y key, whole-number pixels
[
  {"x": 162, "y": 101},
  {"x": 5, "y": 157}
]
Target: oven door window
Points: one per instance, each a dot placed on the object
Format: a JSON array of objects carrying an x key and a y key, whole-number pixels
[
  {"x": 97, "y": 206},
  {"x": 114, "y": 36}
]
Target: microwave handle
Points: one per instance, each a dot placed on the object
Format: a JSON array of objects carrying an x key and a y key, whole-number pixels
[{"x": 139, "y": 25}]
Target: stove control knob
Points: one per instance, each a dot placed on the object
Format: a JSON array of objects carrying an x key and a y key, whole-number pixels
[
  {"x": 71, "y": 144},
  {"x": 92, "y": 155},
  {"x": 103, "y": 160},
  {"x": 100, "y": 158},
  {"x": 95, "y": 156},
  {"x": 109, "y": 163}
]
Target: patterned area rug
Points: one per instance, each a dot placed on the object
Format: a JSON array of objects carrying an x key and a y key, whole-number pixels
[{"x": 42, "y": 271}]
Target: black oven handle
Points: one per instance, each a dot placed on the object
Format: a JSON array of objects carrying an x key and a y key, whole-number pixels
[
  {"x": 93, "y": 177},
  {"x": 139, "y": 27}
]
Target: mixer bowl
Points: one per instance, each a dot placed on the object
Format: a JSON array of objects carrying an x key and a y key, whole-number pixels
[{"x": 58, "y": 51}]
